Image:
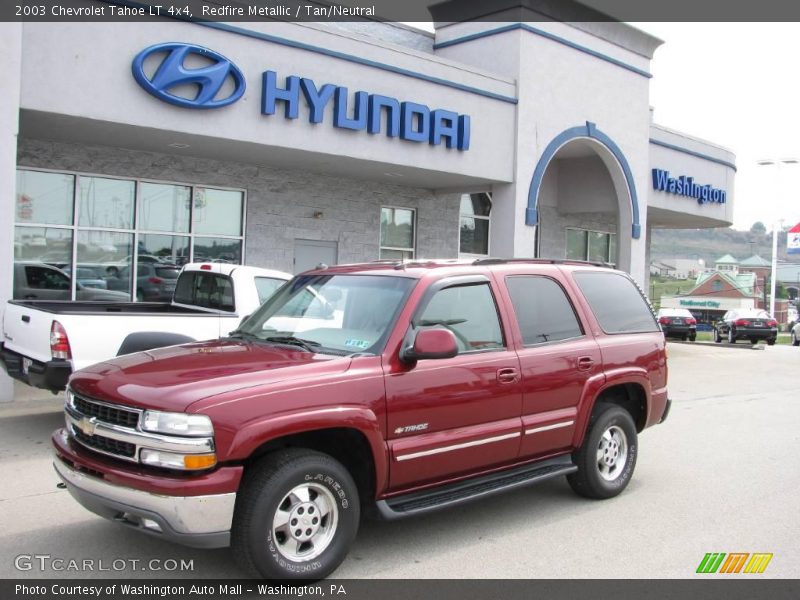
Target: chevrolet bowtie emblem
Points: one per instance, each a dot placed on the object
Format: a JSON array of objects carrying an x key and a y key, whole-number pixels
[{"x": 87, "y": 426}]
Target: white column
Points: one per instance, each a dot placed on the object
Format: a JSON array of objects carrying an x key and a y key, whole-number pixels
[{"x": 10, "y": 75}]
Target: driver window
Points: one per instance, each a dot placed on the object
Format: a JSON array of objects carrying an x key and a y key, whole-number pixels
[{"x": 469, "y": 311}]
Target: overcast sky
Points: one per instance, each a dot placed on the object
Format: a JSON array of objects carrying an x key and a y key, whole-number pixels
[{"x": 737, "y": 85}]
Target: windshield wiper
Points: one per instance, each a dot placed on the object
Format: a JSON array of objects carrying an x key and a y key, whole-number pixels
[
  {"x": 309, "y": 345},
  {"x": 241, "y": 333}
]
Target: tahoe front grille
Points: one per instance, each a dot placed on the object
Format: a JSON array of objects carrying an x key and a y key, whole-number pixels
[
  {"x": 104, "y": 444},
  {"x": 105, "y": 412}
]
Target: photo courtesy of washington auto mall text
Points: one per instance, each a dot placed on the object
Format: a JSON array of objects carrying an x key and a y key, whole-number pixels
[{"x": 399, "y": 299}]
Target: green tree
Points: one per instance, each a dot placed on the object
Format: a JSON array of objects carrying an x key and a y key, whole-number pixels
[{"x": 758, "y": 228}]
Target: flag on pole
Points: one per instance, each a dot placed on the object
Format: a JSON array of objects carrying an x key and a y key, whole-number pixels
[{"x": 793, "y": 240}]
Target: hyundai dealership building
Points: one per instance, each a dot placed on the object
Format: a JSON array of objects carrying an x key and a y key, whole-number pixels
[{"x": 285, "y": 145}]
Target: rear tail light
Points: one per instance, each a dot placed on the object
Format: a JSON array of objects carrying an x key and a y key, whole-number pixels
[
  {"x": 741, "y": 323},
  {"x": 691, "y": 321},
  {"x": 772, "y": 323},
  {"x": 664, "y": 320},
  {"x": 59, "y": 343},
  {"x": 156, "y": 280}
]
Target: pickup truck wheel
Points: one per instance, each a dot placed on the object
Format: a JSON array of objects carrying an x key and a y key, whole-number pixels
[
  {"x": 296, "y": 516},
  {"x": 607, "y": 457}
]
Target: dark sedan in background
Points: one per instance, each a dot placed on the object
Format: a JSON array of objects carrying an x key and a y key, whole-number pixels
[
  {"x": 746, "y": 324},
  {"x": 677, "y": 323}
]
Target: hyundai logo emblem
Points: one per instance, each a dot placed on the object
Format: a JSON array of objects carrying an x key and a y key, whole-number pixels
[{"x": 172, "y": 72}]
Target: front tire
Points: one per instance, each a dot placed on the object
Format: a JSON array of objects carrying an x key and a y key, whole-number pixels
[
  {"x": 731, "y": 336},
  {"x": 296, "y": 516},
  {"x": 607, "y": 457},
  {"x": 717, "y": 337},
  {"x": 795, "y": 341}
]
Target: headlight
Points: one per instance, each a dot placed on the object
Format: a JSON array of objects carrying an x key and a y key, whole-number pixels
[
  {"x": 177, "y": 423},
  {"x": 171, "y": 460}
]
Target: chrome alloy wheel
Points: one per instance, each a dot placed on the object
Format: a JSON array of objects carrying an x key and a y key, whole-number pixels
[
  {"x": 305, "y": 522},
  {"x": 612, "y": 453}
]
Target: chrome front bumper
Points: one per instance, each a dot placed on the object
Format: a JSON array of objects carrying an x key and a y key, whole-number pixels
[{"x": 197, "y": 521}]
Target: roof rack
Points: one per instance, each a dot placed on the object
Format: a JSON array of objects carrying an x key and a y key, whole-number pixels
[{"x": 539, "y": 261}]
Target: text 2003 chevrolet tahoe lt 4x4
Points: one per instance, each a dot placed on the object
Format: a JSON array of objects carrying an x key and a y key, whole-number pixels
[{"x": 401, "y": 387}]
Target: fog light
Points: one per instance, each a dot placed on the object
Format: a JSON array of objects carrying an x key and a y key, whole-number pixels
[
  {"x": 150, "y": 524},
  {"x": 184, "y": 462}
]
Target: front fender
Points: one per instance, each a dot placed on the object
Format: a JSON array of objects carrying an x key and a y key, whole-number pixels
[{"x": 256, "y": 433}]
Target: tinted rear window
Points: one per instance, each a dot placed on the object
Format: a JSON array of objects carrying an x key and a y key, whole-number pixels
[
  {"x": 208, "y": 290},
  {"x": 616, "y": 302},
  {"x": 544, "y": 312},
  {"x": 167, "y": 273}
]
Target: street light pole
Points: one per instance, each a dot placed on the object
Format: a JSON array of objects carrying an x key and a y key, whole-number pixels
[{"x": 776, "y": 224}]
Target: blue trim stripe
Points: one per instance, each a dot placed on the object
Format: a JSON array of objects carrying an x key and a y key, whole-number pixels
[
  {"x": 582, "y": 131},
  {"x": 274, "y": 39},
  {"x": 549, "y": 36},
  {"x": 719, "y": 161},
  {"x": 355, "y": 59}
]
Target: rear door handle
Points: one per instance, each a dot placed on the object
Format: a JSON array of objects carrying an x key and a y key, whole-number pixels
[
  {"x": 585, "y": 363},
  {"x": 508, "y": 375}
]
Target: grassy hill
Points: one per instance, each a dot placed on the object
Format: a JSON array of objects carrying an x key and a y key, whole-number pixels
[{"x": 711, "y": 244}]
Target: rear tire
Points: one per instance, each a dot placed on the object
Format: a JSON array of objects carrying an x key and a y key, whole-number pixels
[
  {"x": 770, "y": 342},
  {"x": 692, "y": 337},
  {"x": 731, "y": 336},
  {"x": 276, "y": 533},
  {"x": 717, "y": 337},
  {"x": 795, "y": 341},
  {"x": 608, "y": 455},
  {"x": 753, "y": 341}
]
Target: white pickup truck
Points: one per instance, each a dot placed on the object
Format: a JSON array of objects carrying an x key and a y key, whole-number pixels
[{"x": 45, "y": 341}]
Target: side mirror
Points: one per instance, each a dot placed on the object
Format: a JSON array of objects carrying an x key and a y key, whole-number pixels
[{"x": 431, "y": 344}]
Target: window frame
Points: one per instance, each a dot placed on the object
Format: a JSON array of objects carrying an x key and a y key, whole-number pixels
[
  {"x": 413, "y": 249},
  {"x": 571, "y": 304},
  {"x": 487, "y": 218},
  {"x": 612, "y": 260},
  {"x": 447, "y": 283},
  {"x": 135, "y": 231}
]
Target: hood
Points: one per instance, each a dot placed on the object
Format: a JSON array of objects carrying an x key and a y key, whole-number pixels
[{"x": 172, "y": 378}]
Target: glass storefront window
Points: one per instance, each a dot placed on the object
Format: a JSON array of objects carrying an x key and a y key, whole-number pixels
[
  {"x": 217, "y": 212},
  {"x": 108, "y": 233},
  {"x": 223, "y": 250},
  {"x": 103, "y": 258},
  {"x": 474, "y": 225},
  {"x": 163, "y": 249},
  {"x": 44, "y": 198},
  {"x": 596, "y": 246},
  {"x": 106, "y": 202},
  {"x": 164, "y": 207},
  {"x": 397, "y": 233},
  {"x": 576, "y": 244}
]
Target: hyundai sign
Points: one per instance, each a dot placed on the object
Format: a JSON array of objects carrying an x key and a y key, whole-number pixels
[
  {"x": 221, "y": 83},
  {"x": 171, "y": 72}
]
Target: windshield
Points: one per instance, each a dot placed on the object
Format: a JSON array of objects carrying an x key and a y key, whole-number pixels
[{"x": 336, "y": 314}]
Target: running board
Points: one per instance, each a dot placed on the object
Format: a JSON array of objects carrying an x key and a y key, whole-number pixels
[{"x": 464, "y": 491}]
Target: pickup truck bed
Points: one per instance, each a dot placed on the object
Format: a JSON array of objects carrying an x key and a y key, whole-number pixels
[{"x": 44, "y": 341}]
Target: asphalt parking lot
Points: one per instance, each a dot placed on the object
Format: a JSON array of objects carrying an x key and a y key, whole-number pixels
[{"x": 719, "y": 476}]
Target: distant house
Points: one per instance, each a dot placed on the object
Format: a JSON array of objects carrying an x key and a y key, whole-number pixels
[{"x": 662, "y": 269}]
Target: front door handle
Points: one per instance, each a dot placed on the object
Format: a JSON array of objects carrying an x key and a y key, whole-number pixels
[
  {"x": 508, "y": 375},
  {"x": 585, "y": 363}
]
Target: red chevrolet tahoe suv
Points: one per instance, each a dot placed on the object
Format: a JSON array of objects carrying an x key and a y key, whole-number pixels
[{"x": 400, "y": 387}]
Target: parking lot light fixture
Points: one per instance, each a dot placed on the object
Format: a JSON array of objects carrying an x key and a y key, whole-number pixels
[{"x": 779, "y": 163}]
